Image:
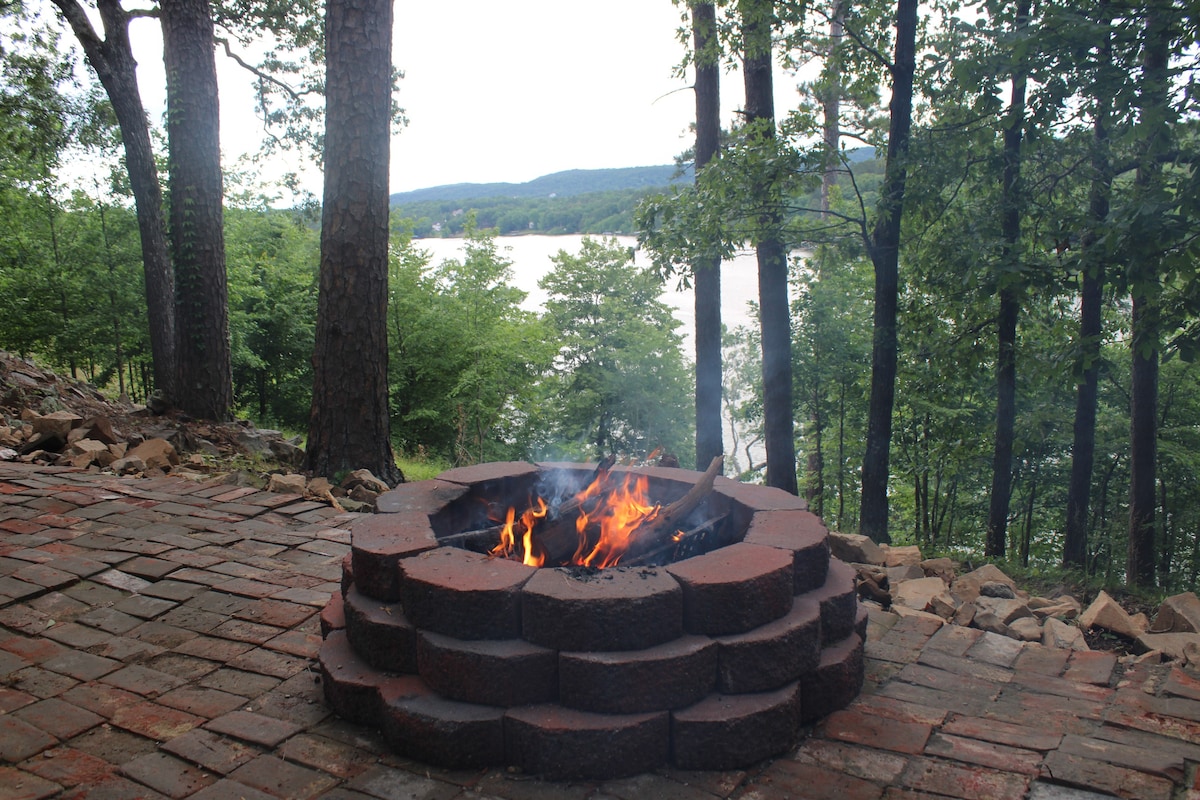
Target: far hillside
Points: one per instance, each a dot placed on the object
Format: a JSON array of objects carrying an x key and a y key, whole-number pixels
[{"x": 595, "y": 201}]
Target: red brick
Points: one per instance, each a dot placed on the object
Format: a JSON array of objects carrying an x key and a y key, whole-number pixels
[
  {"x": 506, "y": 672},
  {"x": 1180, "y": 684},
  {"x": 267, "y": 662},
  {"x": 71, "y": 767},
  {"x": 154, "y": 721},
  {"x": 211, "y": 751},
  {"x": 787, "y": 779},
  {"x": 802, "y": 534},
  {"x": 1043, "y": 660},
  {"x": 1097, "y": 776},
  {"x": 996, "y": 649},
  {"x": 463, "y": 594},
  {"x": 899, "y": 710},
  {"x": 142, "y": 680},
  {"x": 333, "y": 615},
  {"x": 867, "y": 763},
  {"x": 19, "y": 740},
  {"x": 564, "y": 743},
  {"x": 279, "y": 778},
  {"x": 874, "y": 731},
  {"x": 254, "y": 728},
  {"x": 16, "y": 784},
  {"x": 103, "y": 700},
  {"x": 327, "y": 755},
  {"x": 33, "y": 650},
  {"x": 942, "y": 680},
  {"x": 296, "y": 643},
  {"x": 772, "y": 655},
  {"x": 1162, "y": 762},
  {"x": 275, "y": 612},
  {"x": 734, "y": 589},
  {"x": 166, "y": 774},
  {"x": 58, "y": 718},
  {"x": 351, "y": 686},
  {"x": 984, "y": 754},
  {"x": 735, "y": 731},
  {"x": 201, "y": 701},
  {"x": 625, "y": 608},
  {"x": 993, "y": 730},
  {"x": 660, "y": 678},
  {"x": 953, "y": 639},
  {"x": 942, "y": 778}
]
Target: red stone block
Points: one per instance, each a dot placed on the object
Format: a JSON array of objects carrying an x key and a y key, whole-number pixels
[
  {"x": 791, "y": 779},
  {"x": 615, "y": 609},
  {"x": 562, "y": 743},
  {"x": 380, "y": 633},
  {"x": 429, "y": 728},
  {"x": 941, "y": 778},
  {"x": 1091, "y": 667},
  {"x": 490, "y": 472},
  {"x": 839, "y": 602},
  {"x": 380, "y": 542},
  {"x": 772, "y": 655},
  {"x": 504, "y": 672},
  {"x": 347, "y": 579},
  {"x": 734, "y": 589},
  {"x": 837, "y": 680},
  {"x": 672, "y": 675},
  {"x": 463, "y": 594},
  {"x": 730, "y": 731},
  {"x": 351, "y": 686},
  {"x": 804, "y": 535},
  {"x": 333, "y": 615},
  {"x": 420, "y": 497}
]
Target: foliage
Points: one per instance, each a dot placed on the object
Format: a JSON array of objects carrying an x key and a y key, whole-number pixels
[{"x": 620, "y": 384}]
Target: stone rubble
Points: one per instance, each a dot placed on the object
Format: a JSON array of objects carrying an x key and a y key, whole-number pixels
[{"x": 899, "y": 580}]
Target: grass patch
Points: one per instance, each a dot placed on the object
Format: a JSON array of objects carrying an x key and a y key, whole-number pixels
[{"x": 421, "y": 467}]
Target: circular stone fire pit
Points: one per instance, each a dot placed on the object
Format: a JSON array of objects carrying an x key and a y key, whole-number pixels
[{"x": 711, "y": 662}]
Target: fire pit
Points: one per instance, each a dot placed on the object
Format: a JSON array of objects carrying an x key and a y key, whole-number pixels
[{"x": 706, "y": 644}]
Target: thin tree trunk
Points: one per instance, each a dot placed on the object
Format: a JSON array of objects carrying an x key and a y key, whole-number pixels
[
  {"x": 1143, "y": 402},
  {"x": 706, "y": 271},
  {"x": 779, "y": 437},
  {"x": 1011, "y": 203},
  {"x": 197, "y": 210},
  {"x": 1083, "y": 450},
  {"x": 112, "y": 59},
  {"x": 349, "y": 421},
  {"x": 884, "y": 249}
]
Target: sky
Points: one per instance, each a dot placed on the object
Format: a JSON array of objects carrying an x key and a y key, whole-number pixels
[{"x": 508, "y": 91}]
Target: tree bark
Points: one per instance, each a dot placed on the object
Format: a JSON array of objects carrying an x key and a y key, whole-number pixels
[
  {"x": 775, "y": 316},
  {"x": 1143, "y": 390},
  {"x": 349, "y": 420},
  {"x": 1006, "y": 357},
  {"x": 884, "y": 249},
  {"x": 112, "y": 59},
  {"x": 1083, "y": 449},
  {"x": 197, "y": 210},
  {"x": 706, "y": 272}
]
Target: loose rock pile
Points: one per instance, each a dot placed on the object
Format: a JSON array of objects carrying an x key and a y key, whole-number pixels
[{"x": 901, "y": 580}]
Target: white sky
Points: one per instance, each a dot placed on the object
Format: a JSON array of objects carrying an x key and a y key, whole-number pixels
[{"x": 509, "y": 91}]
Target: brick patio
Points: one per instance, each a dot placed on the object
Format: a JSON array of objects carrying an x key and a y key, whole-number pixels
[{"x": 157, "y": 639}]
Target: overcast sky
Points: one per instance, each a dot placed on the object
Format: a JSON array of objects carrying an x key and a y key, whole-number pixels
[{"x": 509, "y": 91}]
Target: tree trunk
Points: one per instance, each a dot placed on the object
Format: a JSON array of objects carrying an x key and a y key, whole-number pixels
[
  {"x": 831, "y": 101},
  {"x": 775, "y": 316},
  {"x": 1091, "y": 298},
  {"x": 706, "y": 272},
  {"x": 196, "y": 210},
  {"x": 1011, "y": 204},
  {"x": 884, "y": 249},
  {"x": 112, "y": 59},
  {"x": 1144, "y": 277},
  {"x": 348, "y": 424}
]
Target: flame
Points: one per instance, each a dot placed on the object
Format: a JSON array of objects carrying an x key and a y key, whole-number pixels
[
  {"x": 619, "y": 516},
  {"x": 614, "y": 513}
]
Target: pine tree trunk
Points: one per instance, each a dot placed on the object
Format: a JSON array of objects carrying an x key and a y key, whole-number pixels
[
  {"x": 774, "y": 313},
  {"x": 706, "y": 272},
  {"x": 349, "y": 421},
  {"x": 884, "y": 248},
  {"x": 196, "y": 210},
  {"x": 112, "y": 59},
  {"x": 1083, "y": 449}
]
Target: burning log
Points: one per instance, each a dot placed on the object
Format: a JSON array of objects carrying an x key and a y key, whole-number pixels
[{"x": 677, "y": 542}]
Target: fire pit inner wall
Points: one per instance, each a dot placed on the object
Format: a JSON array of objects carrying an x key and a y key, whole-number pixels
[{"x": 714, "y": 661}]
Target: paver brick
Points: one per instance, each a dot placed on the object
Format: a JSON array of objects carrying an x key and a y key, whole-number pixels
[
  {"x": 859, "y": 727},
  {"x": 282, "y": 779},
  {"x": 253, "y": 728},
  {"x": 167, "y": 774},
  {"x": 58, "y": 718},
  {"x": 1106, "y": 778},
  {"x": 212, "y": 751},
  {"x": 19, "y": 740},
  {"x": 20, "y": 785},
  {"x": 70, "y": 767}
]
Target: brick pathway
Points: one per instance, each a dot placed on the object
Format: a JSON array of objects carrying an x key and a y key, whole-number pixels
[{"x": 157, "y": 640}]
